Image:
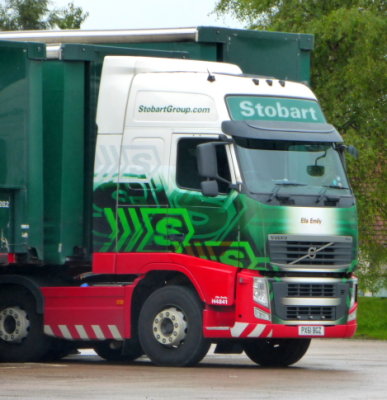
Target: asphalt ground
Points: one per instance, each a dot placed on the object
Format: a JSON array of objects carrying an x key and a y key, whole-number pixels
[{"x": 331, "y": 369}]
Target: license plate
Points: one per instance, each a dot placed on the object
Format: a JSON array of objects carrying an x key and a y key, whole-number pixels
[{"x": 311, "y": 330}]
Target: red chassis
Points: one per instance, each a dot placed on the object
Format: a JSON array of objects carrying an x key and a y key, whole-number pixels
[{"x": 104, "y": 312}]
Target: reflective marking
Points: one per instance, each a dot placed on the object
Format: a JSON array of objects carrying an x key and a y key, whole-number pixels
[
  {"x": 82, "y": 332},
  {"x": 115, "y": 332},
  {"x": 48, "y": 330},
  {"x": 257, "y": 331},
  {"x": 270, "y": 334},
  {"x": 65, "y": 331},
  {"x": 238, "y": 328},
  {"x": 98, "y": 332}
]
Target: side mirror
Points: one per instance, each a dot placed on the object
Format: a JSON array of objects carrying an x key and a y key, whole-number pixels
[
  {"x": 207, "y": 160},
  {"x": 315, "y": 170},
  {"x": 353, "y": 151},
  {"x": 210, "y": 188}
]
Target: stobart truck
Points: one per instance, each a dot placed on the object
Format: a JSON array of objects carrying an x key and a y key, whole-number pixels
[{"x": 218, "y": 211}]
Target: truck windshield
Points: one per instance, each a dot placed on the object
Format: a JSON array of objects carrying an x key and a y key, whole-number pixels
[{"x": 304, "y": 168}]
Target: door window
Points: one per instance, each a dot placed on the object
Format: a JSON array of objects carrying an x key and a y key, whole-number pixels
[{"x": 187, "y": 176}]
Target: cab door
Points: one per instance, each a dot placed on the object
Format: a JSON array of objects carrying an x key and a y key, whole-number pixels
[{"x": 204, "y": 227}]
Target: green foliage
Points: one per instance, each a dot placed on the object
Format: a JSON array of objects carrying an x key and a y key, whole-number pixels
[
  {"x": 372, "y": 274},
  {"x": 291, "y": 15},
  {"x": 35, "y": 14},
  {"x": 68, "y": 18},
  {"x": 372, "y": 318},
  {"x": 349, "y": 76}
]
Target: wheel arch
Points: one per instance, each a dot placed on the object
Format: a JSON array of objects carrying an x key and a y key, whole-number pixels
[
  {"x": 211, "y": 280},
  {"x": 27, "y": 283}
]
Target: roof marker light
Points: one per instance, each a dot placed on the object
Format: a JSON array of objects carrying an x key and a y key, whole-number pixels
[
  {"x": 269, "y": 82},
  {"x": 256, "y": 81},
  {"x": 282, "y": 83}
]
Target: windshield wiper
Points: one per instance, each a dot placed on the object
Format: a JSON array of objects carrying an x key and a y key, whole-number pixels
[
  {"x": 286, "y": 182},
  {"x": 324, "y": 190},
  {"x": 278, "y": 185},
  {"x": 334, "y": 187}
]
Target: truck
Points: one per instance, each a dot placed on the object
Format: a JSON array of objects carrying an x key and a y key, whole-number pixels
[{"x": 163, "y": 191}]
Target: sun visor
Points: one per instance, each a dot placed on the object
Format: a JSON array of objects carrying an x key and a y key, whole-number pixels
[{"x": 281, "y": 130}]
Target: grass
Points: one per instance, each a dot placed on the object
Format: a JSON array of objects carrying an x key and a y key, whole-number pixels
[{"x": 372, "y": 318}]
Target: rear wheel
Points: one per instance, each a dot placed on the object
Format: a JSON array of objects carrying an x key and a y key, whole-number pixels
[
  {"x": 276, "y": 352},
  {"x": 170, "y": 327},
  {"x": 112, "y": 350},
  {"x": 59, "y": 349},
  {"x": 21, "y": 328}
]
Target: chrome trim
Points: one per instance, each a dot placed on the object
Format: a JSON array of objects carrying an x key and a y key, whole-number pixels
[
  {"x": 311, "y": 238},
  {"x": 310, "y": 301},
  {"x": 103, "y": 36},
  {"x": 311, "y": 280},
  {"x": 311, "y": 253},
  {"x": 315, "y": 322},
  {"x": 312, "y": 267}
]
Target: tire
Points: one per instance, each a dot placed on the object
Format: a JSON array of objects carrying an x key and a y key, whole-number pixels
[
  {"x": 21, "y": 328},
  {"x": 170, "y": 327},
  {"x": 59, "y": 349},
  {"x": 112, "y": 350},
  {"x": 276, "y": 352}
]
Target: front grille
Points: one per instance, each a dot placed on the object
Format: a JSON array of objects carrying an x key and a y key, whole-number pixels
[
  {"x": 292, "y": 251},
  {"x": 310, "y": 313},
  {"x": 320, "y": 299},
  {"x": 311, "y": 290}
]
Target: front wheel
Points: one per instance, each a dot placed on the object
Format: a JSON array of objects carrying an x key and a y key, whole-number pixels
[
  {"x": 276, "y": 352},
  {"x": 170, "y": 327}
]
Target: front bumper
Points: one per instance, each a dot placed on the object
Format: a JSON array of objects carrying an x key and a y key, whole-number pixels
[
  {"x": 298, "y": 308},
  {"x": 246, "y": 330}
]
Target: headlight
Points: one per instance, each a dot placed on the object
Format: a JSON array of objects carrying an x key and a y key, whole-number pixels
[{"x": 260, "y": 292}]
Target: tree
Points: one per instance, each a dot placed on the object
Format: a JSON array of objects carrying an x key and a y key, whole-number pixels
[
  {"x": 372, "y": 275},
  {"x": 349, "y": 75},
  {"x": 35, "y": 14},
  {"x": 68, "y": 18}
]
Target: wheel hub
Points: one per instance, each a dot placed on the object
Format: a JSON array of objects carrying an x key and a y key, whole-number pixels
[
  {"x": 170, "y": 327},
  {"x": 14, "y": 324}
]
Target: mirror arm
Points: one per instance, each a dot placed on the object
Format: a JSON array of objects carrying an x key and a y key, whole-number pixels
[
  {"x": 343, "y": 148},
  {"x": 236, "y": 186}
]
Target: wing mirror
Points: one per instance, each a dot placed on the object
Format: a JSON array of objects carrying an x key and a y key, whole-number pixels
[{"x": 207, "y": 162}]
